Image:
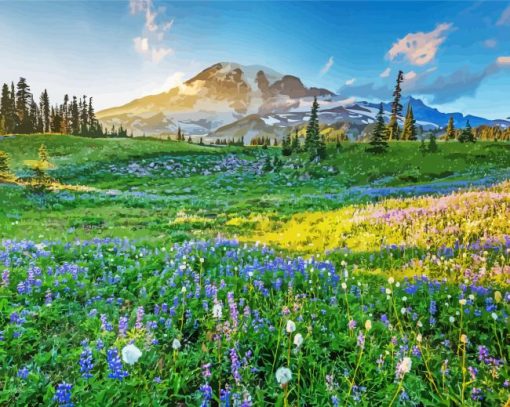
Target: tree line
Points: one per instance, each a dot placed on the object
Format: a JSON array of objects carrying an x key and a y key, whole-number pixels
[{"x": 20, "y": 113}]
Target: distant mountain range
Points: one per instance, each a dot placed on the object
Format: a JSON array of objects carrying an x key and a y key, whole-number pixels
[{"x": 228, "y": 100}]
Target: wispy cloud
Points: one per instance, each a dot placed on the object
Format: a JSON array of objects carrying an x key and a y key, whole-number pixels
[
  {"x": 350, "y": 82},
  {"x": 385, "y": 73},
  {"x": 442, "y": 89},
  {"x": 420, "y": 48},
  {"x": 150, "y": 43},
  {"x": 325, "y": 69},
  {"x": 504, "y": 19},
  {"x": 490, "y": 43}
]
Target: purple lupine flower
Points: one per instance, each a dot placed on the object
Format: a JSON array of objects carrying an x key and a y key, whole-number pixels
[
  {"x": 352, "y": 324},
  {"x": 5, "y": 278},
  {"x": 473, "y": 371},
  {"x": 416, "y": 352},
  {"x": 23, "y": 373},
  {"x": 476, "y": 394},
  {"x": 86, "y": 364},
  {"x": 105, "y": 325},
  {"x": 207, "y": 394},
  {"x": 225, "y": 397},
  {"x": 123, "y": 326},
  {"x": 206, "y": 370},
  {"x": 233, "y": 309},
  {"x": 234, "y": 359},
  {"x": 140, "y": 313},
  {"x": 115, "y": 365},
  {"x": 63, "y": 395},
  {"x": 361, "y": 340}
]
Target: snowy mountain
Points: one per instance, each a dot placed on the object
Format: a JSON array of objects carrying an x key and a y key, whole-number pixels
[{"x": 228, "y": 100}]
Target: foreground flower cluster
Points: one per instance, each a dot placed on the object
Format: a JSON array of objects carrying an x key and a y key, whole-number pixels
[{"x": 111, "y": 322}]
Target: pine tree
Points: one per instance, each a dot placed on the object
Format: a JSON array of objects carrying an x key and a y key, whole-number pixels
[
  {"x": 312, "y": 131},
  {"x": 409, "y": 125},
  {"x": 45, "y": 111},
  {"x": 4, "y": 165},
  {"x": 432, "y": 148},
  {"x": 286, "y": 145},
  {"x": 321, "y": 148},
  {"x": 467, "y": 134},
  {"x": 66, "y": 127},
  {"x": 295, "y": 144},
  {"x": 23, "y": 102},
  {"x": 396, "y": 109},
  {"x": 450, "y": 130},
  {"x": 75, "y": 117},
  {"x": 7, "y": 110},
  {"x": 423, "y": 147},
  {"x": 43, "y": 154},
  {"x": 378, "y": 139},
  {"x": 267, "y": 164}
]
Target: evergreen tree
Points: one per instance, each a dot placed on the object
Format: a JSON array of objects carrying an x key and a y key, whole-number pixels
[
  {"x": 65, "y": 115},
  {"x": 286, "y": 146},
  {"x": 179, "y": 134},
  {"x": 45, "y": 111},
  {"x": 189, "y": 140},
  {"x": 378, "y": 138},
  {"x": 409, "y": 125},
  {"x": 7, "y": 110},
  {"x": 84, "y": 117},
  {"x": 467, "y": 134},
  {"x": 312, "y": 131},
  {"x": 396, "y": 109},
  {"x": 295, "y": 144},
  {"x": 321, "y": 148},
  {"x": 432, "y": 148},
  {"x": 267, "y": 164},
  {"x": 23, "y": 102},
  {"x": 4, "y": 165},
  {"x": 75, "y": 117},
  {"x": 423, "y": 147},
  {"x": 43, "y": 154},
  {"x": 35, "y": 122},
  {"x": 450, "y": 130}
]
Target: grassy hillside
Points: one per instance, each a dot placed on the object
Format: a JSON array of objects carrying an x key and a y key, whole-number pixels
[
  {"x": 152, "y": 189},
  {"x": 68, "y": 150}
]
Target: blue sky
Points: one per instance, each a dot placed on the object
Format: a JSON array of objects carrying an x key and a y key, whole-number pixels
[{"x": 456, "y": 55}]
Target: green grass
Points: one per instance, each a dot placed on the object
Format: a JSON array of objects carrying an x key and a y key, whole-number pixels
[
  {"x": 68, "y": 150},
  {"x": 148, "y": 205}
]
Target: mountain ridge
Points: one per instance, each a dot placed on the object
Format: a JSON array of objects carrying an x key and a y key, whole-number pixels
[{"x": 226, "y": 93}]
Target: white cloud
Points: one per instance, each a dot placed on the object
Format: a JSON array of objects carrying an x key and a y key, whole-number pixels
[
  {"x": 350, "y": 82},
  {"x": 420, "y": 48},
  {"x": 325, "y": 69},
  {"x": 151, "y": 43},
  {"x": 410, "y": 75},
  {"x": 141, "y": 44},
  {"x": 504, "y": 19},
  {"x": 503, "y": 60},
  {"x": 157, "y": 54},
  {"x": 490, "y": 43},
  {"x": 385, "y": 73}
]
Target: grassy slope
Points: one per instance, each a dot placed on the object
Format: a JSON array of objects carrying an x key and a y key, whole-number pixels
[
  {"x": 71, "y": 150},
  {"x": 212, "y": 200}
]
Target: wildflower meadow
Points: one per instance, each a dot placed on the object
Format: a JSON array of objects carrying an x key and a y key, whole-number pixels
[{"x": 170, "y": 280}]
